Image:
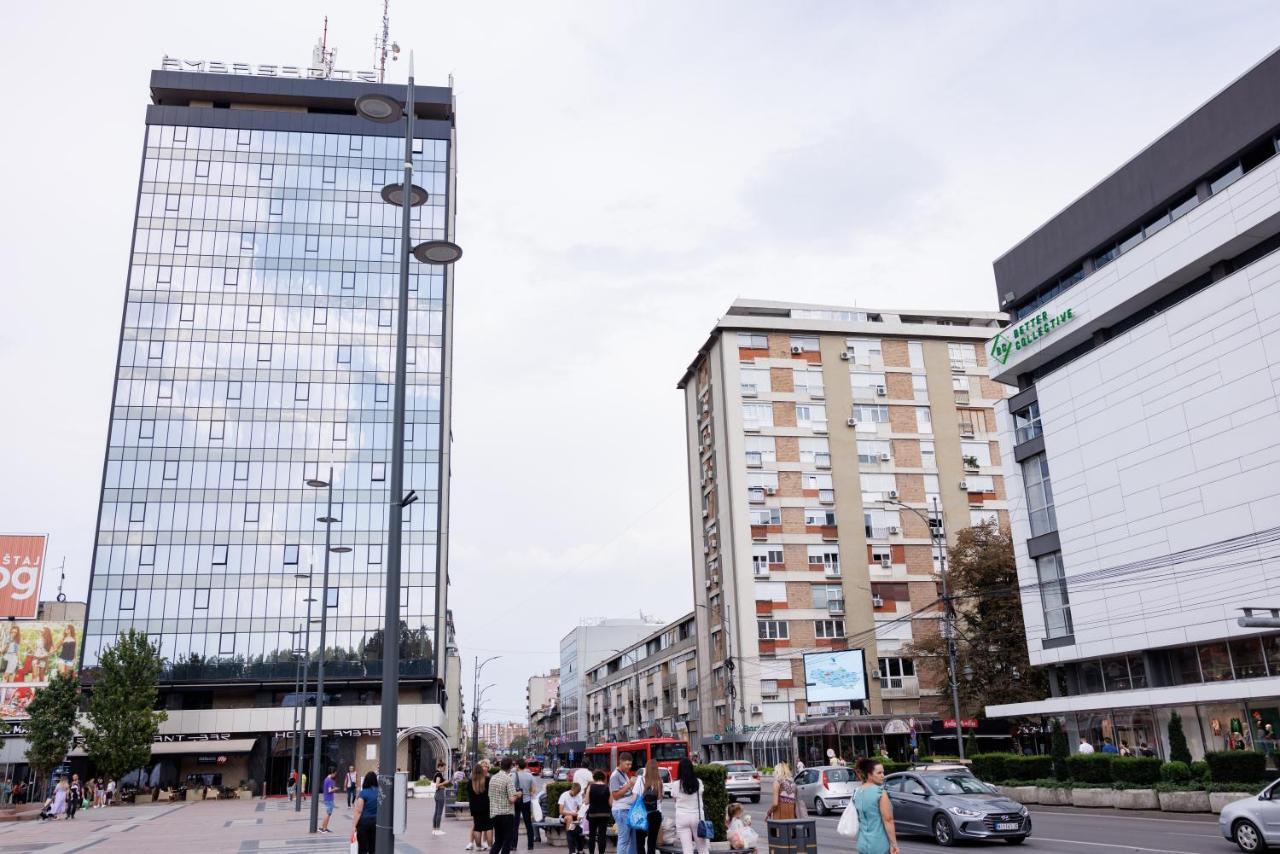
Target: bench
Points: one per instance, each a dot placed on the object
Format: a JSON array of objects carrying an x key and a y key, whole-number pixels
[
  {"x": 552, "y": 831},
  {"x": 460, "y": 810}
]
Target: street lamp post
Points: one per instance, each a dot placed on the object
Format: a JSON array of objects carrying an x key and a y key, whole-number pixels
[
  {"x": 383, "y": 108},
  {"x": 295, "y": 756},
  {"x": 329, "y": 521},
  {"x": 475, "y": 707},
  {"x": 306, "y": 660},
  {"x": 938, "y": 536}
]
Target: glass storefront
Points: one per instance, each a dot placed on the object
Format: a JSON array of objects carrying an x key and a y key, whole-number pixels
[{"x": 1208, "y": 727}]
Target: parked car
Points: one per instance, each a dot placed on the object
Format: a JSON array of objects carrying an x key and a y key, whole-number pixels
[
  {"x": 825, "y": 788},
  {"x": 668, "y": 784},
  {"x": 1253, "y": 824},
  {"x": 954, "y": 805},
  {"x": 562, "y": 774},
  {"x": 741, "y": 780}
]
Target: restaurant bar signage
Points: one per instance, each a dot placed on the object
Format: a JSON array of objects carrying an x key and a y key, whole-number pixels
[
  {"x": 965, "y": 723},
  {"x": 1028, "y": 332}
]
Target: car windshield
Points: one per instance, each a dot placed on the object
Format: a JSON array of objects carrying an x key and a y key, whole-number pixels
[
  {"x": 957, "y": 784},
  {"x": 739, "y": 768},
  {"x": 837, "y": 775}
]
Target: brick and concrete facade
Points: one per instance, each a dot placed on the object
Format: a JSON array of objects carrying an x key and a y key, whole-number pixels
[{"x": 805, "y": 424}]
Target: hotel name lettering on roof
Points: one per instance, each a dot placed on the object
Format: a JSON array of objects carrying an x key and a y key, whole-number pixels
[{"x": 296, "y": 72}]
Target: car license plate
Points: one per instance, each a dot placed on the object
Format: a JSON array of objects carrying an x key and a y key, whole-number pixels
[{"x": 1008, "y": 825}]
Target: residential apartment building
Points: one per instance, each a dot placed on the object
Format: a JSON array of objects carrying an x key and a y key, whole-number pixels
[
  {"x": 589, "y": 642},
  {"x": 500, "y": 736},
  {"x": 1142, "y": 445},
  {"x": 819, "y": 441},
  {"x": 542, "y": 691},
  {"x": 648, "y": 689},
  {"x": 256, "y": 354}
]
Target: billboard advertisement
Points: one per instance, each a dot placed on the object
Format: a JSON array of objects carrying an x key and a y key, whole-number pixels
[
  {"x": 21, "y": 562},
  {"x": 836, "y": 676},
  {"x": 31, "y": 652}
]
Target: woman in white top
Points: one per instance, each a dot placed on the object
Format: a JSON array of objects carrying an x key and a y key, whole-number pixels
[{"x": 689, "y": 809}]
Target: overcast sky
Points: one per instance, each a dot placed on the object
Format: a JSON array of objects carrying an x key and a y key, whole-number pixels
[{"x": 626, "y": 171}]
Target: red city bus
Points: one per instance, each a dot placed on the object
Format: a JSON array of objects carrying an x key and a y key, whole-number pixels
[{"x": 667, "y": 752}]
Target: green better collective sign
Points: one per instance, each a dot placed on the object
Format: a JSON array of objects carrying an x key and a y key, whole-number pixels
[{"x": 1029, "y": 330}]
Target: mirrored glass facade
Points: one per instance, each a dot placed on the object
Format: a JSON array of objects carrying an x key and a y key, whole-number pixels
[{"x": 257, "y": 351}]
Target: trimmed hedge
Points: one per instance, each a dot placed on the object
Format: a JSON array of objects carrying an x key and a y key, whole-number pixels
[
  {"x": 1236, "y": 766},
  {"x": 551, "y": 803},
  {"x": 1135, "y": 769},
  {"x": 1027, "y": 767},
  {"x": 1090, "y": 767},
  {"x": 1175, "y": 772},
  {"x": 1200, "y": 770},
  {"x": 891, "y": 767},
  {"x": 989, "y": 767},
  {"x": 464, "y": 791},
  {"x": 715, "y": 800}
]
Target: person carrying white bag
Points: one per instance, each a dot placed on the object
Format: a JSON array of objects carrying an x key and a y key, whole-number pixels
[{"x": 869, "y": 815}]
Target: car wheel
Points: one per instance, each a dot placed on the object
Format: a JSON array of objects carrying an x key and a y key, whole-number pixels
[
  {"x": 1246, "y": 835},
  {"x": 755, "y": 799},
  {"x": 1016, "y": 840},
  {"x": 819, "y": 807},
  {"x": 943, "y": 833}
]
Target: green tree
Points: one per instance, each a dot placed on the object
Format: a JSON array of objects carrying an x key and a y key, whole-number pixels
[
  {"x": 519, "y": 744},
  {"x": 1178, "y": 750},
  {"x": 53, "y": 724},
  {"x": 991, "y": 646},
  {"x": 1059, "y": 749},
  {"x": 122, "y": 721}
]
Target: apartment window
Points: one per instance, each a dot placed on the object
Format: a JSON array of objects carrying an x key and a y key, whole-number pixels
[
  {"x": 915, "y": 355},
  {"x": 868, "y": 416},
  {"x": 924, "y": 420},
  {"x": 301, "y": 391},
  {"x": 251, "y": 512},
  {"x": 873, "y": 451},
  {"x": 201, "y": 598},
  {"x": 264, "y": 352},
  {"x": 960, "y": 386},
  {"x": 375, "y": 553},
  {"x": 384, "y": 317},
  {"x": 344, "y": 354},
  {"x": 757, "y": 415},
  {"x": 980, "y": 483},
  {"x": 772, "y": 629},
  {"x": 963, "y": 356},
  {"x": 828, "y": 557},
  {"x": 233, "y": 390},
  {"x": 219, "y": 555},
  {"x": 982, "y": 517},
  {"x": 230, "y": 277},
  {"x": 819, "y": 516},
  {"x": 381, "y": 392},
  {"x": 241, "y": 470},
  {"x": 760, "y": 484},
  {"x": 811, "y": 415},
  {"x": 127, "y": 599},
  {"x": 806, "y": 343},
  {"x": 876, "y": 487},
  {"x": 1035, "y": 477},
  {"x": 755, "y": 381},
  {"x": 147, "y": 556},
  {"x": 862, "y": 350},
  {"x": 809, "y": 381},
  {"x": 932, "y": 490},
  {"x": 1053, "y": 595},
  {"x": 825, "y": 594},
  {"x": 138, "y": 511},
  {"x": 832, "y": 629},
  {"x": 227, "y": 643},
  {"x": 814, "y": 481},
  {"x": 920, "y": 388},
  {"x": 881, "y": 523},
  {"x": 170, "y": 469},
  {"x": 146, "y": 429},
  {"x": 766, "y": 516},
  {"x": 379, "y": 472},
  {"x": 1027, "y": 422},
  {"x": 892, "y": 671},
  {"x": 255, "y": 314},
  {"x": 762, "y": 557},
  {"x": 339, "y": 431},
  {"x": 816, "y": 451},
  {"x": 753, "y": 340},
  {"x": 976, "y": 453},
  {"x": 867, "y": 385},
  {"x": 882, "y": 555},
  {"x": 760, "y": 450},
  {"x": 928, "y": 459},
  {"x": 155, "y": 350}
]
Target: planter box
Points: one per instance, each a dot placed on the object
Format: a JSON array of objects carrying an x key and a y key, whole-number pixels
[
  {"x": 1218, "y": 800},
  {"x": 1093, "y": 798},
  {"x": 1053, "y": 796},
  {"x": 1184, "y": 801},
  {"x": 1021, "y": 794},
  {"x": 244, "y": 794},
  {"x": 1137, "y": 799}
]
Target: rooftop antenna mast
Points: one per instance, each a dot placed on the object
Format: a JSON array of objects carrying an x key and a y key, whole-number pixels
[
  {"x": 322, "y": 55},
  {"x": 383, "y": 43},
  {"x": 62, "y": 576}
]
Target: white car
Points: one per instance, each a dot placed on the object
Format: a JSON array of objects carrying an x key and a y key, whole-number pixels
[{"x": 1253, "y": 823}]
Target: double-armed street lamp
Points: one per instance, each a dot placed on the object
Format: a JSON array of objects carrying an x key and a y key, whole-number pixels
[
  {"x": 379, "y": 107},
  {"x": 329, "y": 521},
  {"x": 475, "y": 706}
]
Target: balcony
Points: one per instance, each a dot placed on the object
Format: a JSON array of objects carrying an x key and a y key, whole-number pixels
[
  {"x": 822, "y": 461},
  {"x": 835, "y": 607},
  {"x": 749, "y": 390},
  {"x": 755, "y": 459},
  {"x": 967, "y": 429},
  {"x": 826, "y": 496},
  {"x": 900, "y": 688}
]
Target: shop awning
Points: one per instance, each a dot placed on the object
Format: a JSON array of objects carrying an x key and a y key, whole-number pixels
[
  {"x": 816, "y": 728},
  {"x": 862, "y": 726},
  {"x": 176, "y": 748}
]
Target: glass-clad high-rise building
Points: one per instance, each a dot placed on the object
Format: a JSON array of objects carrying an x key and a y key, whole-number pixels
[{"x": 256, "y": 352}]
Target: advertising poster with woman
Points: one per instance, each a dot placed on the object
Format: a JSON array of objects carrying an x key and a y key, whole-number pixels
[{"x": 31, "y": 652}]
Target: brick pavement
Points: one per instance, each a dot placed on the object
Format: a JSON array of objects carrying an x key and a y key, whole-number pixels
[{"x": 216, "y": 826}]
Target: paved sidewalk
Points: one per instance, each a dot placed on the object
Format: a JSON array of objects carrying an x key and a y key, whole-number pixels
[{"x": 217, "y": 826}]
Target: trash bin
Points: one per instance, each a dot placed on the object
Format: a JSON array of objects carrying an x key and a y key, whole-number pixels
[{"x": 793, "y": 836}]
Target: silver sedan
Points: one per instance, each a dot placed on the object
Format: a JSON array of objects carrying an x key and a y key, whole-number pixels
[{"x": 1253, "y": 823}]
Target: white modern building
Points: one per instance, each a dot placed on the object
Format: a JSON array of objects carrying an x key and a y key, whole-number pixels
[
  {"x": 589, "y": 643},
  {"x": 1142, "y": 447}
]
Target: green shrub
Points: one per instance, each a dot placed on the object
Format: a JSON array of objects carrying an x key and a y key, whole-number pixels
[
  {"x": 551, "y": 803},
  {"x": 1135, "y": 769},
  {"x": 1192, "y": 786},
  {"x": 891, "y": 767},
  {"x": 1200, "y": 770},
  {"x": 1027, "y": 767},
  {"x": 1175, "y": 772},
  {"x": 464, "y": 791},
  {"x": 1090, "y": 767},
  {"x": 989, "y": 767},
  {"x": 1236, "y": 766},
  {"x": 1178, "y": 750},
  {"x": 1059, "y": 749},
  {"x": 715, "y": 800}
]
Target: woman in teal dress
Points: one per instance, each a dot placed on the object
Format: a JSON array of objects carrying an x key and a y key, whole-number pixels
[{"x": 876, "y": 834}]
